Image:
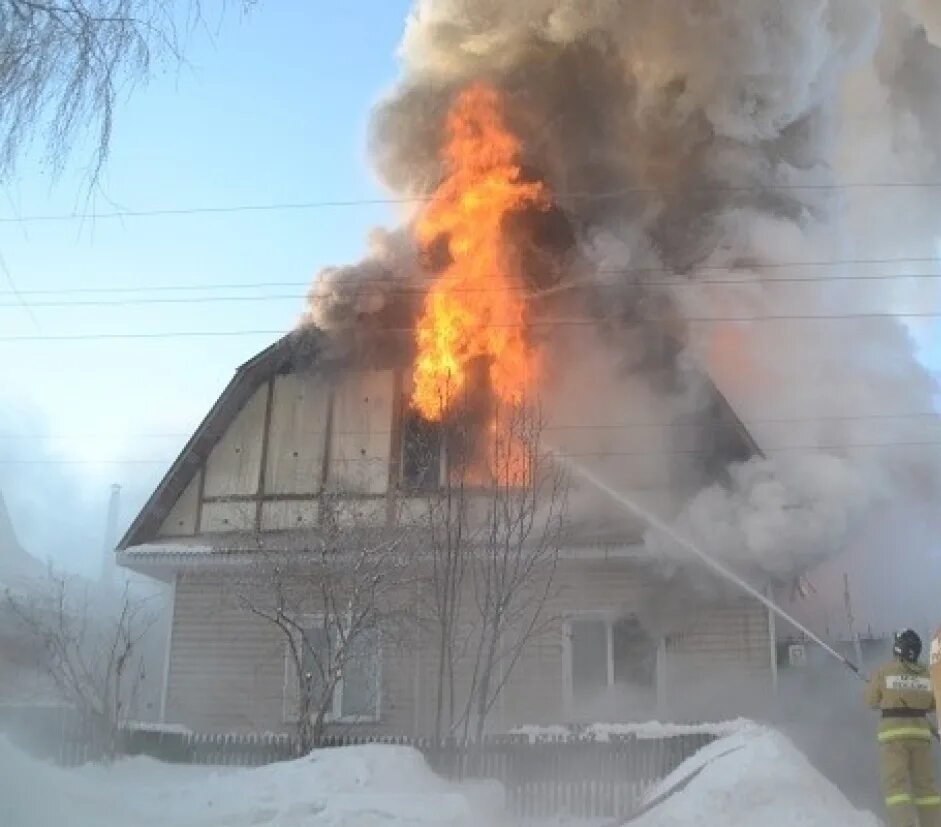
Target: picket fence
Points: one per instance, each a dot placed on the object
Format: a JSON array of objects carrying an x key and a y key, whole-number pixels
[{"x": 570, "y": 775}]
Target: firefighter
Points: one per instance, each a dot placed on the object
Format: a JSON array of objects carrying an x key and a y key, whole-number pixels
[
  {"x": 902, "y": 691},
  {"x": 934, "y": 668}
]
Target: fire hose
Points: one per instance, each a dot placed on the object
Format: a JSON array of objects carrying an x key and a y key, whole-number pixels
[{"x": 655, "y": 522}]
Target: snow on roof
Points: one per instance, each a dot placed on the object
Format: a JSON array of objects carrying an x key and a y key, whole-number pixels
[{"x": 170, "y": 548}]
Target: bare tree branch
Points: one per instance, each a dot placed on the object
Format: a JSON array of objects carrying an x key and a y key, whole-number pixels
[
  {"x": 342, "y": 584},
  {"x": 65, "y": 63},
  {"x": 495, "y": 536},
  {"x": 88, "y": 646}
]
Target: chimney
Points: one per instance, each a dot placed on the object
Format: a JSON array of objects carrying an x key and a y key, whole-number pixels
[{"x": 110, "y": 537}]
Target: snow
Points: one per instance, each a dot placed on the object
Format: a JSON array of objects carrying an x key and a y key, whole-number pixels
[
  {"x": 348, "y": 787},
  {"x": 178, "y": 548},
  {"x": 152, "y": 726},
  {"x": 753, "y": 777}
]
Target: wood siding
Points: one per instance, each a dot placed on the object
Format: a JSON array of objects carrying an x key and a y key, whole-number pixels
[
  {"x": 297, "y": 436},
  {"x": 361, "y": 438},
  {"x": 234, "y": 464},
  {"x": 227, "y": 668},
  {"x": 181, "y": 521}
]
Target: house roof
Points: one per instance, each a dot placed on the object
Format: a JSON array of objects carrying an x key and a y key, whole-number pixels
[
  {"x": 304, "y": 343},
  {"x": 305, "y": 346}
]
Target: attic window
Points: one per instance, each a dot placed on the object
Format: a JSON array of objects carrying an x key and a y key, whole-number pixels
[{"x": 421, "y": 452}]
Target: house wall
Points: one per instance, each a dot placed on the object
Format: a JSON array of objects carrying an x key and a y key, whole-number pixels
[
  {"x": 227, "y": 667},
  {"x": 715, "y": 663},
  {"x": 301, "y": 433}
]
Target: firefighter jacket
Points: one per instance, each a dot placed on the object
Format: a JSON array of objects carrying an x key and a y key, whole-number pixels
[
  {"x": 903, "y": 692},
  {"x": 934, "y": 666}
]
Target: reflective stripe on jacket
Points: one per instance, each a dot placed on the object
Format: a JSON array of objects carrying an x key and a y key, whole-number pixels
[{"x": 899, "y": 685}]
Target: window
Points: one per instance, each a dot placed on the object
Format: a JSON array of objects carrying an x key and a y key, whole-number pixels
[
  {"x": 356, "y": 696},
  {"x": 421, "y": 453},
  {"x": 609, "y": 654}
]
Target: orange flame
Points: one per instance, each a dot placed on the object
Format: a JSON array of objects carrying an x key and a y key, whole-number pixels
[{"x": 476, "y": 307}]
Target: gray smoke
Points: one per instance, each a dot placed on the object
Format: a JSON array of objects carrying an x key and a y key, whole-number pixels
[
  {"x": 342, "y": 296},
  {"x": 696, "y": 141}
]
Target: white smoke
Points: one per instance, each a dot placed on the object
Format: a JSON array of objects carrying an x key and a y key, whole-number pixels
[
  {"x": 774, "y": 515},
  {"x": 727, "y": 139}
]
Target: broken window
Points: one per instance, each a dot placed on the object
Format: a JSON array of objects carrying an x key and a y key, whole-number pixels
[
  {"x": 356, "y": 696},
  {"x": 455, "y": 448},
  {"x": 421, "y": 453},
  {"x": 606, "y": 654}
]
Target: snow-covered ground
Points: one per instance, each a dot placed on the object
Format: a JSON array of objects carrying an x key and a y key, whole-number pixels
[
  {"x": 754, "y": 778},
  {"x": 751, "y": 778}
]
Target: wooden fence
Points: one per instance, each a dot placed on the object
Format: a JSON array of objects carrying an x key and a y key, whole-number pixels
[{"x": 577, "y": 776}]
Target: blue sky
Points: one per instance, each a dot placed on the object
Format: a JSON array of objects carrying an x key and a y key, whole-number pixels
[{"x": 272, "y": 108}]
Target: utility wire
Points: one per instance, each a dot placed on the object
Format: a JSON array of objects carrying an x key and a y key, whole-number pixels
[
  {"x": 420, "y": 199},
  {"x": 421, "y": 292},
  {"x": 677, "y": 279},
  {"x": 551, "y": 323}
]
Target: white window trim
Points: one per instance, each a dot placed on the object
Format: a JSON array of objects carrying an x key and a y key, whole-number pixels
[
  {"x": 291, "y": 703},
  {"x": 609, "y": 618}
]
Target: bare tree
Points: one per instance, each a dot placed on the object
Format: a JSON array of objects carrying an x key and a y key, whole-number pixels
[
  {"x": 495, "y": 527},
  {"x": 63, "y": 64},
  {"x": 90, "y": 645},
  {"x": 333, "y": 597}
]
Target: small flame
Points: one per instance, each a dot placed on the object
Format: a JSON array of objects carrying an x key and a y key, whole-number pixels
[{"x": 476, "y": 307}]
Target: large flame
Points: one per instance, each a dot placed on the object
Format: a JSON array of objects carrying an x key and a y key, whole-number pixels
[{"x": 476, "y": 307}]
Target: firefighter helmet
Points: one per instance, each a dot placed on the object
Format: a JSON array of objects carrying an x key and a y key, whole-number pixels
[{"x": 907, "y": 645}]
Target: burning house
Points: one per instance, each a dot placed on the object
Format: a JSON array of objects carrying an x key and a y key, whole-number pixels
[
  {"x": 610, "y": 213},
  {"x": 294, "y": 431},
  {"x": 479, "y": 393}
]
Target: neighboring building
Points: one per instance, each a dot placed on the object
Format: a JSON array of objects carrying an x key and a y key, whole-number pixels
[{"x": 295, "y": 418}]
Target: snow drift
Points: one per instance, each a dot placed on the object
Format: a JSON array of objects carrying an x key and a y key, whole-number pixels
[
  {"x": 349, "y": 787},
  {"x": 754, "y": 778}
]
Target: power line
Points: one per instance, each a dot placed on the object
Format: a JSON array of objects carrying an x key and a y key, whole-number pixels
[
  {"x": 570, "y": 322},
  {"x": 341, "y": 203},
  {"x": 759, "y": 266},
  {"x": 420, "y": 292}
]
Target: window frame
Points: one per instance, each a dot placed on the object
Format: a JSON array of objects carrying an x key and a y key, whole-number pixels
[
  {"x": 609, "y": 619},
  {"x": 292, "y": 701}
]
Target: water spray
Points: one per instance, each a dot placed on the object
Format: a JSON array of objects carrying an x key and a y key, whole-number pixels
[{"x": 690, "y": 547}]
